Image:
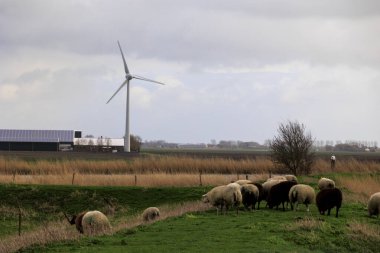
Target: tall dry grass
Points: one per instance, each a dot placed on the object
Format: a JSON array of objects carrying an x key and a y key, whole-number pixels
[
  {"x": 360, "y": 187},
  {"x": 154, "y": 170},
  {"x": 152, "y": 164},
  {"x": 144, "y": 180}
]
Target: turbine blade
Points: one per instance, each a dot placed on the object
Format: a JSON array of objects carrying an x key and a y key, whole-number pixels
[
  {"x": 146, "y": 79},
  {"x": 122, "y": 55},
  {"x": 121, "y": 86}
]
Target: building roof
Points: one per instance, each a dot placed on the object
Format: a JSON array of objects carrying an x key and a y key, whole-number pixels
[{"x": 13, "y": 135}]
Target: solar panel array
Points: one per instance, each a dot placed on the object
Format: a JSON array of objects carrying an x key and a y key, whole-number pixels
[{"x": 12, "y": 135}]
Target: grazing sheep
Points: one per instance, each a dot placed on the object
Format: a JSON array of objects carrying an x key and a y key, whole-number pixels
[
  {"x": 234, "y": 185},
  {"x": 77, "y": 220},
  {"x": 215, "y": 197},
  {"x": 243, "y": 181},
  {"x": 276, "y": 178},
  {"x": 301, "y": 193},
  {"x": 328, "y": 199},
  {"x": 90, "y": 222},
  {"x": 151, "y": 213},
  {"x": 250, "y": 194},
  {"x": 279, "y": 194},
  {"x": 374, "y": 204},
  {"x": 223, "y": 196},
  {"x": 261, "y": 194},
  {"x": 233, "y": 197},
  {"x": 291, "y": 178},
  {"x": 326, "y": 183},
  {"x": 95, "y": 222},
  {"x": 267, "y": 186}
]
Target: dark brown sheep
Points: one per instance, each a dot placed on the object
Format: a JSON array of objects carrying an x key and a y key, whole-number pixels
[
  {"x": 77, "y": 220},
  {"x": 261, "y": 194},
  {"x": 279, "y": 194},
  {"x": 327, "y": 199}
]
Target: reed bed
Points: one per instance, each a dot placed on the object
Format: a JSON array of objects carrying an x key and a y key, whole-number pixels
[
  {"x": 150, "y": 164},
  {"x": 361, "y": 187},
  {"x": 144, "y": 180},
  {"x": 156, "y": 170}
]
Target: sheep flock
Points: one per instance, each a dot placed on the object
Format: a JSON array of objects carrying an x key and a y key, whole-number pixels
[{"x": 280, "y": 191}]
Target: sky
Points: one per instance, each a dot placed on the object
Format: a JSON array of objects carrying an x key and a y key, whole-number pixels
[{"x": 234, "y": 70}]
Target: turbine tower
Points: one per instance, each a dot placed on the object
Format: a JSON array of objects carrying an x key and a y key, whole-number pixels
[{"x": 128, "y": 78}]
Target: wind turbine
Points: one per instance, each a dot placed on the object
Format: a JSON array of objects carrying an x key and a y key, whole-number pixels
[{"x": 128, "y": 78}]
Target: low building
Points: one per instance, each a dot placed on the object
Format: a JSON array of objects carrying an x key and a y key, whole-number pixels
[{"x": 37, "y": 140}]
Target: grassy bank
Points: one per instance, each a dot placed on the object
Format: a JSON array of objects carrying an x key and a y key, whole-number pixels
[{"x": 186, "y": 227}]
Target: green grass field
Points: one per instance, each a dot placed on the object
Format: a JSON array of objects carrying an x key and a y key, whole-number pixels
[
  {"x": 262, "y": 230},
  {"x": 258, "y": 231}
]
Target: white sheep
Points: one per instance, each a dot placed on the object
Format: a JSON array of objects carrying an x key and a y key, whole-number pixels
[
  {"x": 151, "y": 213},
  {"x": 250, "y": 194},
  {"x": 301, "y": 193},
  {"x": 234, "y": 185},
  {"x": 223, "y": 196},
  {"x": 243, "y": 181},
  {"x": 326, "y": 183},
  {"x": 291, "y": 178},
  {"x": 277, "y": 178},
  {"x": 95, "y": 222},
  {"x": 374, "y": 204}
]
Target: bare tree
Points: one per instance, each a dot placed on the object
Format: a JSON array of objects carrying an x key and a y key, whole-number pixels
[
  {"x": 292, "y": 148},
  {"x": 136, "y": 143}
]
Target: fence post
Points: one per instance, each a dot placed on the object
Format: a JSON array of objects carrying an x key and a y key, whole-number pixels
[
  {"x": 19, "y": 221},
  {"x": 135, "y": 180},
  {"x": 200, "y": 178},
  {"x": 72, "y": 180},
  {"x": 246, "y": 176}
]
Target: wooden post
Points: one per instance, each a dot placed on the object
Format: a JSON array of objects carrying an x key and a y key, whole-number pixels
[
  {"x": 200, "y": 178},
  {"x": 246, "y": 176},
  {"x": 135, "y": 179},
  {"x": 72, "y": 180},
  {"x": 19, "y": 221},
  {"x": 270, "y": 173}
]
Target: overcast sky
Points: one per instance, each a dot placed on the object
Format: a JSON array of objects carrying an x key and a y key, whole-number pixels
[{"x": 234, "y": 70}]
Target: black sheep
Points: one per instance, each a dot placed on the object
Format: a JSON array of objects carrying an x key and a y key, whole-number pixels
[
  {"x": 250, "y": 194},
  {"x": 261, "y": 194},
  {"x": 327, "y": 199},
  {"x": 279, "y": 194}
]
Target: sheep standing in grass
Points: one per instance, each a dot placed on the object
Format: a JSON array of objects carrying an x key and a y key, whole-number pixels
[
  {"x": 261, "y": 194},
  {"x": 243, "y": 181},
  {"x": 77, "y": 220},
  {"x": 95, "y": 222},
  {"x": 90, "y": 222},
  {"x": 250, "y": 194},
  {"x": 374, "y": 204},
  {"x": 291, "y": 178},
  {"x": 235, "y": 185},
  {"x": 301, "y": 193},
  {"x": 326, "y": 183},
  {"x": 223, "y": 196},
  {"x": 277, "y": 178},
  {"x": 267, "y": 186},
  {"x": 279, "y": 194},
  {"x": 151, "y": 213},
  {"x": 327, "y": 199}
]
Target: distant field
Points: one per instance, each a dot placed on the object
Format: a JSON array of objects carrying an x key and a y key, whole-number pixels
[{"x": 235, "y": 154}]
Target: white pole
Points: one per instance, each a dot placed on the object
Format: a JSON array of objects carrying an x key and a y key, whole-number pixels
[{"x": 127, "y": 141}]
